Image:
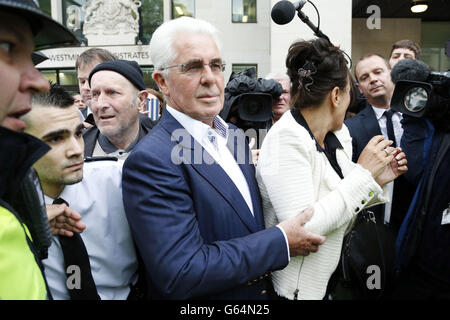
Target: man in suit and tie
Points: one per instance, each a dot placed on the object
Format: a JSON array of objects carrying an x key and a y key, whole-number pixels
[
  {"x": 189, "y": 188},
  {"x": 373, "y": 75}
]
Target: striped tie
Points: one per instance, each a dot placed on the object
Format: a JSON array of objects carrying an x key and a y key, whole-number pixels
[{"x": 219, "y": 127}]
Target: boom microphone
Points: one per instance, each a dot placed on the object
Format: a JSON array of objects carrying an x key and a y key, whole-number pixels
[
  {"x": 284, "y": 11},
  {"x": 410, "y": 70}
]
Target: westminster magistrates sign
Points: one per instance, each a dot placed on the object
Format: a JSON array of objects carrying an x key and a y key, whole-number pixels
[{"x": 66, "y": 57}]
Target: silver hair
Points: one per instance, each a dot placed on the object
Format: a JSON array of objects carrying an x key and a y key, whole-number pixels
[
  {"x": 277, "y": 76},
  {"x": 161, "y": 49}
]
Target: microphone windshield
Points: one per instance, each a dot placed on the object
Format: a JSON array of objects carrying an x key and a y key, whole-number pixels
[
  {"x": 410, "y": 70},
  {"x": 283, "y": 12}
]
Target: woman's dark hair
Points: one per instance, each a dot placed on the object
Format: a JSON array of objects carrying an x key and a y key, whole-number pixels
[{"x": 315, "y": 68}]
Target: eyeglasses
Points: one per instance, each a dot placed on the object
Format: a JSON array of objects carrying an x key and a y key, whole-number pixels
[{"x": 197, "y": 66}]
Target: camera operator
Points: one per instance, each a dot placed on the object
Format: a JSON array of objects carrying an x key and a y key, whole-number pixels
[
  {"x": 423, "y": 258},
  {"x": 249, "y": 104},
  {"x": 282, "y": 104}
]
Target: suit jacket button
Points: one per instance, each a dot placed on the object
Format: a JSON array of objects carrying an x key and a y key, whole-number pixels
[{"x": 263, "y": 292}]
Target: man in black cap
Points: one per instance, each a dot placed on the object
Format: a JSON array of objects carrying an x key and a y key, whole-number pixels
[
  {"x": 118, "y": 90},
  {"x": 22, "y": 27},
  {"x": 85, "y": 63}
]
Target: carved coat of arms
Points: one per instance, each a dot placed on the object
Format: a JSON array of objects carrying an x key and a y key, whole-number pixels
[{"x": 111, "y": 17}]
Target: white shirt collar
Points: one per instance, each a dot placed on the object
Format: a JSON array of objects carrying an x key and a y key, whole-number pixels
[
  {"x": 49, "y": 200},
  {"x": 379, "y": 112},
  {"x": 197, "y": 129}
]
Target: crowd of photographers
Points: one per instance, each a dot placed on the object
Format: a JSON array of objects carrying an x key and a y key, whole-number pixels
[{"x": 413, "y": 112}]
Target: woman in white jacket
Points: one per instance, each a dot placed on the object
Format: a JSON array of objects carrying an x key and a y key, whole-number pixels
[{"x": 305, "y": 160}]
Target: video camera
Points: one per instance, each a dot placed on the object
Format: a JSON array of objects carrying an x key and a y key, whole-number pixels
[
  {"x": 248, "y": 100},
  {"x": 419, "y": 92}
]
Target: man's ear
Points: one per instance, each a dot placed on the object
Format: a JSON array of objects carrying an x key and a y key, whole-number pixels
[
  {"x": 142, "y": 96},
  {"x": 161, "y": 82}
]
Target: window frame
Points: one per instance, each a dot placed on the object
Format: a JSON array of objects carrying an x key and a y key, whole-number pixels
[
  {"x": 256, "y": 13},
  {"x": 172, "y": 10}
]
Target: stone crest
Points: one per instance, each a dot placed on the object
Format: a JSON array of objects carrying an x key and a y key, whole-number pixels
[{"x": 111, "y": 21}]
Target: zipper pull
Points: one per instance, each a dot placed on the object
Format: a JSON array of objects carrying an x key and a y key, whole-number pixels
[{"x": 296, "y": 294}]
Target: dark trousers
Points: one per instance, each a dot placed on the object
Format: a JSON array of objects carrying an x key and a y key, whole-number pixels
[{"x": 416, "y": 284}]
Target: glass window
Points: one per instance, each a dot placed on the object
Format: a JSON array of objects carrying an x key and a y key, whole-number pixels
[
  {"x": 244, "y": 11},
  {"x": 50, "y": 75},
  {"x": 241, "y": 67},
  {"x": 148, "y": 72},
  {"x": 436, "y": 59},
  {"x": 68, "y": 80},
  {"x": 151, "y": 16},
  {"x": 434, "y": 40},
  {"x": 68, "y": 77},
  {"x": 45, "y": 6},
  {"x": 73, "y": 17},
  {"x": 182, "y": 8}
]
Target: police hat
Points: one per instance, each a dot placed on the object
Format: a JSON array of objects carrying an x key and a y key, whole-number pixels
[{"x": 46, "y": 31}]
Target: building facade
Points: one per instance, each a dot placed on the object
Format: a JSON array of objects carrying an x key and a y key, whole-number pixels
[{"x": 249, "y": 36}]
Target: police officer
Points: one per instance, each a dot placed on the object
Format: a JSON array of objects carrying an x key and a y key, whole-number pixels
[{"x": 22, "y": 28}]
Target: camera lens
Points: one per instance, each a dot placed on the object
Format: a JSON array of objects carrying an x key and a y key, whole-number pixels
[
  {"x": 416, "y": 99},
  {"x": 252, "y": 108}
]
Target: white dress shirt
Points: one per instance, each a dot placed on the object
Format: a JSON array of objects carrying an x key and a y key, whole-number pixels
[
  {"x": 398, "y": 132},
  {"x": 107, "y": 237},
  {"x": 396, "y": 118}
]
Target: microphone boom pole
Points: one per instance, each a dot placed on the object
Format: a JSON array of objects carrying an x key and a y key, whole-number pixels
[
  {"x": 308, "y": 22},
  {"x": 284, "y": 11}
]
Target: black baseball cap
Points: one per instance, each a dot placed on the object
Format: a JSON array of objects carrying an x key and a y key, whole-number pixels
[{"x": 47, "y": 32}]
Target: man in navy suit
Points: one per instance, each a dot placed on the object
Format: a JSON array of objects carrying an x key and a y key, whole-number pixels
[
  {"x": 373, "y": 75},
  {"x": 189, "y": 188}
]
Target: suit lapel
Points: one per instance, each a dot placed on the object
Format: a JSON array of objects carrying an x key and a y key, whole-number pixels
[
  {"x": 218, "y": 178},
  {"x": 235, "y": 145},
  {"x": 192, "y": 153},
  {"x": 370, "y": 123}
]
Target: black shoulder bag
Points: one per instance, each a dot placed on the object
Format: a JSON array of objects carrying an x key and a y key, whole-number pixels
[{"x": 366, "y": 269}]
